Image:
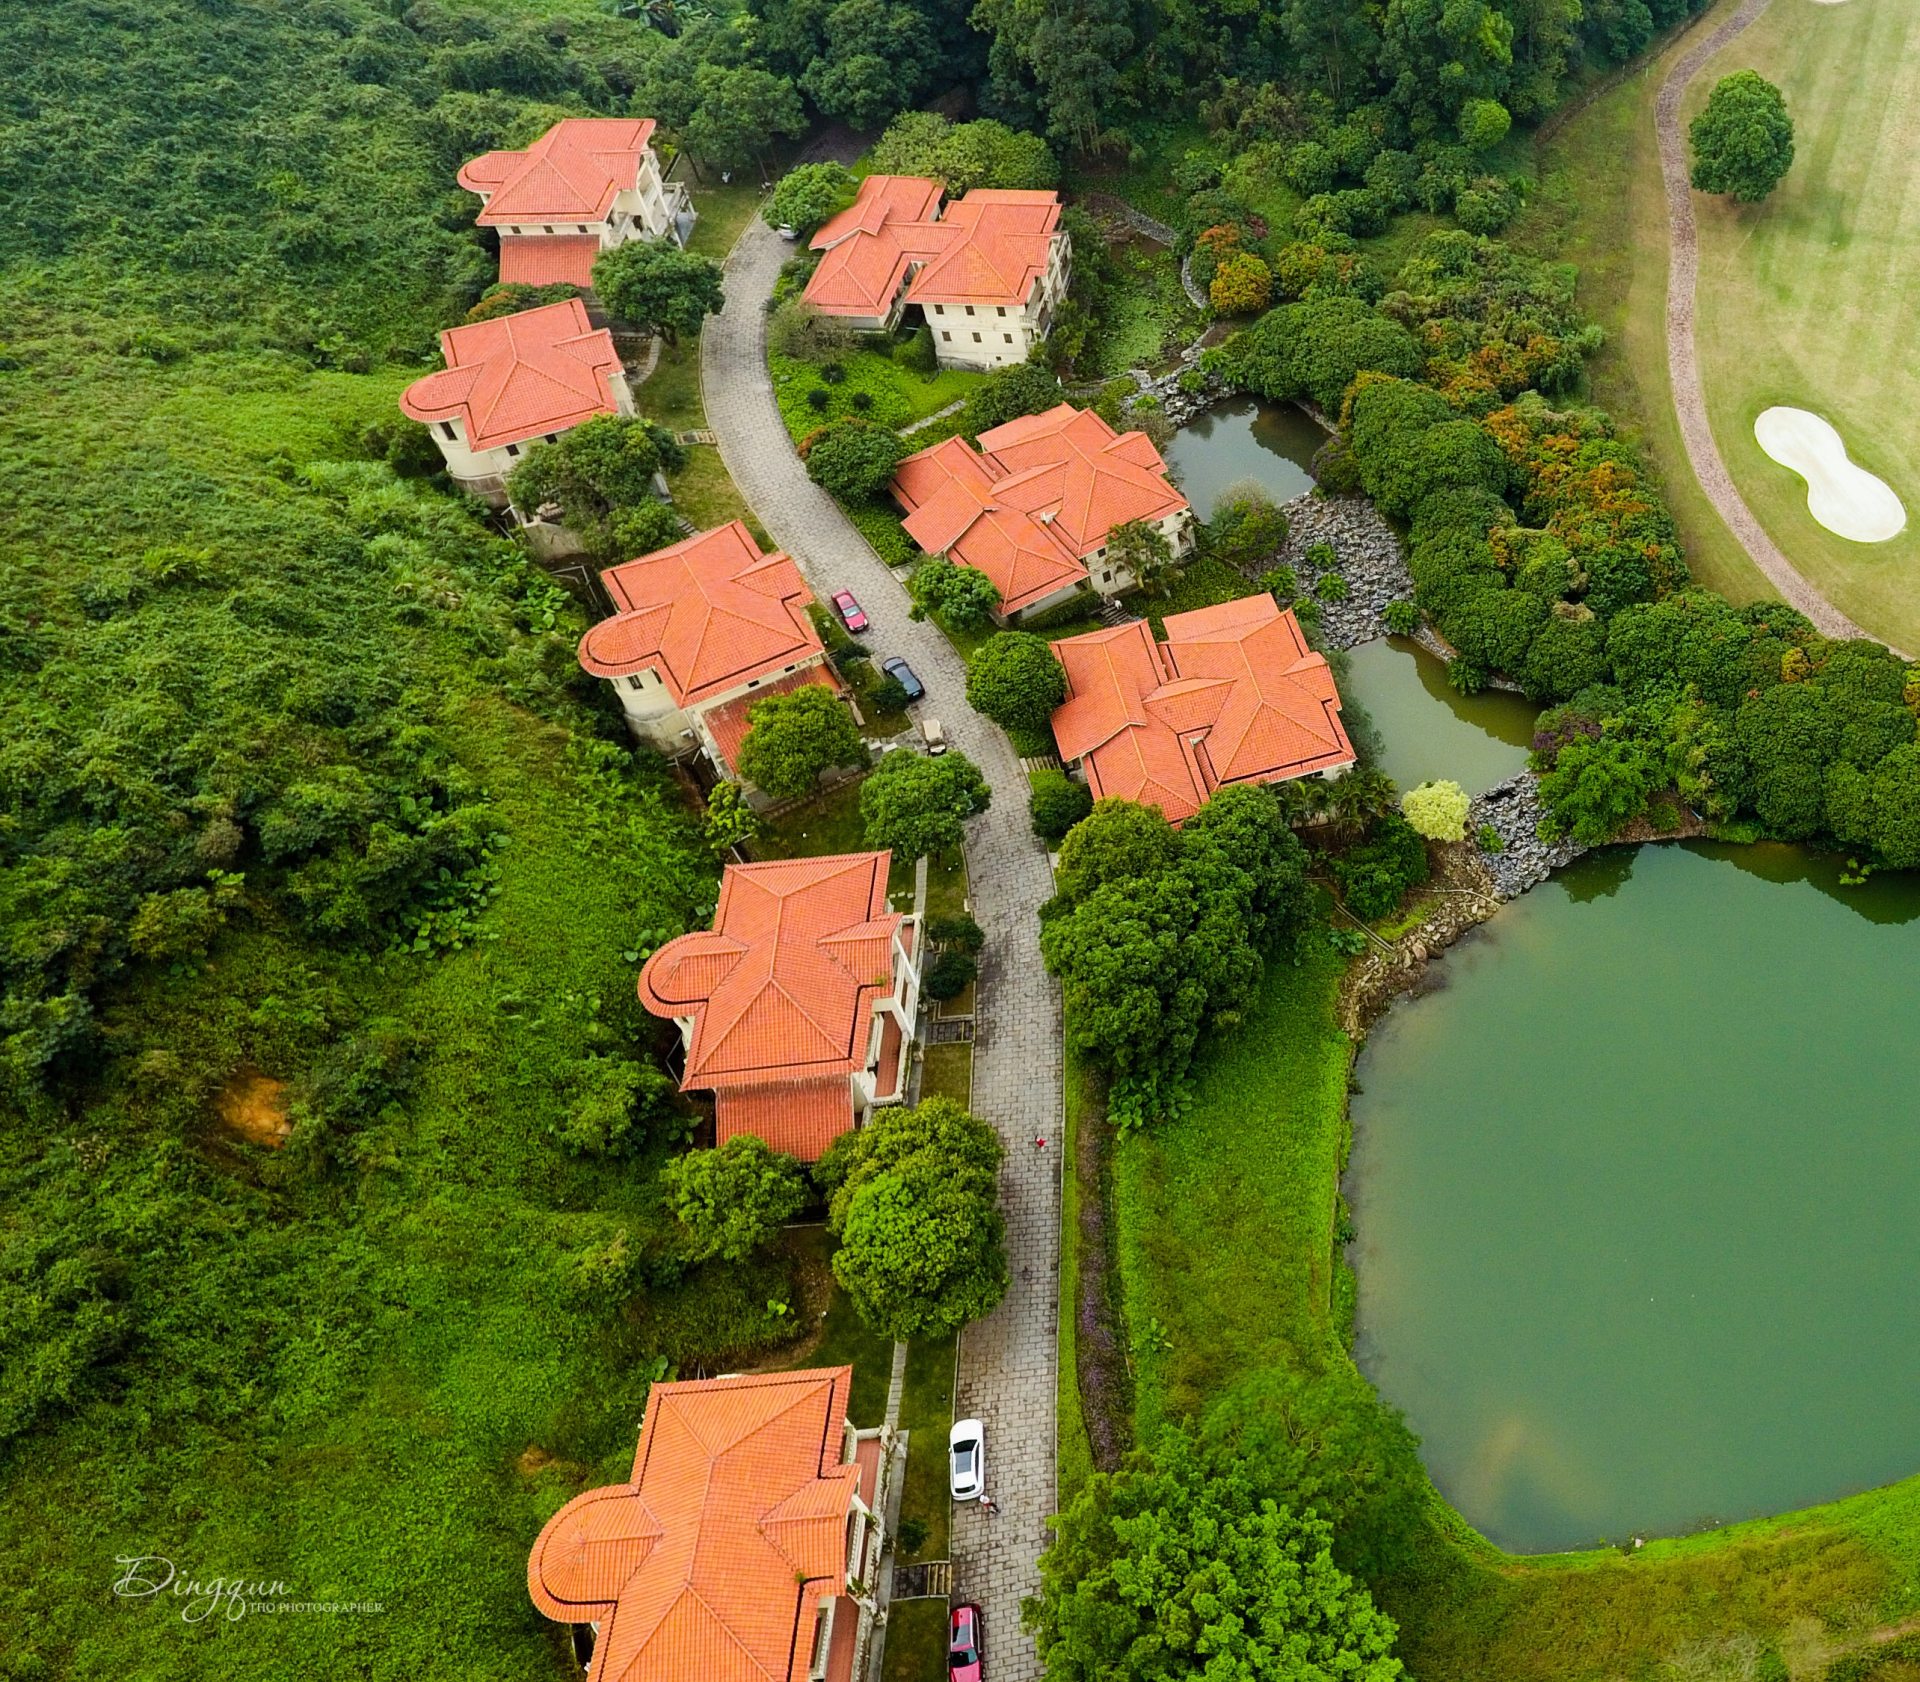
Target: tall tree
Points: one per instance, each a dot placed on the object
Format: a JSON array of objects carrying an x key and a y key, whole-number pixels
[
  {"x": 792, "y": 738},
  {"x": 658, "y": 287},
  {"x": 1071, "y": 54},
  {"x": 1743, "y": 140}
]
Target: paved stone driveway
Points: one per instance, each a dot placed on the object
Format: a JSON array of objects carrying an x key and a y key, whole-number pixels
[{"x": 1008, "y": 1361}]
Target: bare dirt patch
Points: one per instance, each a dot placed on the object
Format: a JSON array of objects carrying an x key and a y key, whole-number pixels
[{"x": 254, "y": 1105}]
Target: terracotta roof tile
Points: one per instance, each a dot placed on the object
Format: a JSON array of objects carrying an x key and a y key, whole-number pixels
[
  {"x": 1040, "y": 494},
  {"x": 548, "y": 259},
  {"x": 1233, "y": 695},
  {"x": 869, "y": 247},
  {"x": 711, "y": 1560},
  {"x": 519, "y": 376},
  {"x": 801, "y": 1118},
  {"x": 1003, "y": 244},
  {"x": 570, "y": 174},
  {"x": 783, "y": 987},
  {"x": 708, "y": 614}
]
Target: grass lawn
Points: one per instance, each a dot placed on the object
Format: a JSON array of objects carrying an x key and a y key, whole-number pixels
[
  {"x": 947, "y": 1072},
  {"x": 844, "y": 1337},
  {"x": 1807, "y": 299},
  {"x": 1599, "y": 205},
  {"x": 926, "y": 1410},
  {"x": 898, "y": 395},
  {"x": 1225, "y": 1227},
  {"x": 916, "y": 1648},
  {"x": 1076, "y": 1454}
]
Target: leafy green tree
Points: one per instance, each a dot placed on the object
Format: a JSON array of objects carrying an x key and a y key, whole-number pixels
[
  {"x": 853, "y": 459},
  {"x": 1435, "y": 55},
  {"x": 963, "y": 597},
  {"x": 799, "y": 331},
  {"x": 1145, "y": 552},
  {"x": 1056, "y": 804},
  {"x": 878, "y": 57},
  {"x": 1374, "y": 877},
  {"x": 964, "y": 155},
  {"x": 1241, "y": 285},
  {"x": 1438, "y": 810},
  {"x": 1313, "y": 1434},
  {"x": 1879, "y": 808},
  {"x": 1070, "y": 53},
  {"x": 1179, "y": 1566},
  {"x": 734, "y": 1200},
  {"x": 1024, "y": 389},
  {"x": 1120, "y": 841},
  {"x": 1248, "y": 828},
  {"x": 730, "y": 821},
  {"x": 1017, "y": 682},
  {"x": 914, "y": 1198},
  {"x": 603, "y": 465},
  {"x": 1483, "y": 124},
  {"x": 735, "y": 113},
  {"x": 1743, "y": 140},
  {"x": 807, "y": 196},
  {"x": 1246, "y": 527},
  {"x": 1597, "y": 787},
  {"x": 1314, "y": 349},
  {"x": 917, "y": 803},
  {"x": 792, "y": 738},
  {"x": 657, "y": 287}
]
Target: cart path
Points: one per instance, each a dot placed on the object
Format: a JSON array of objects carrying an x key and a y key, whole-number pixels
[
  {"x": 1009, "y": 1361},
  {"x": 1683, "y": 358}
]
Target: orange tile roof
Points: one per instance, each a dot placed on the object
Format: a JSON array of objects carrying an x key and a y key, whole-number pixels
[
  {"x": 570, "y": 174},
  {"x": 1002, "y": 242},
  {"x": 548, "y": 259},
  {"x": 800, "y": 1117},
  {"x": 988, "y": 248},
  {"x": 709, "y": 614},
  {"x": 870, "y": 246},
  {"x": 711, "y": 1560},
  {"x": 783, "y": 987},
  {"x": 1040, "y": 494},
  {"x": 1233, "y": 695},
  {"x": 729, "y": 724},
  {"x": 519, "y": 376}
]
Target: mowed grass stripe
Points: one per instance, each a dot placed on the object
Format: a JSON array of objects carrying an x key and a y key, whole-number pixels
[{"x": 1807, "y": 300}]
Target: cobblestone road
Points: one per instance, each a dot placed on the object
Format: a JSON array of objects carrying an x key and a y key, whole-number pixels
[{"x": 1008, "y": 1362}]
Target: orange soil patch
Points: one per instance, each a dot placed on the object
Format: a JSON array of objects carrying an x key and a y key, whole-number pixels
[{"x": 254, "y": 1105}]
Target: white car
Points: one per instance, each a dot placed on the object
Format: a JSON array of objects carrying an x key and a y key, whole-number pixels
[{"x": 967, "y": 1459}]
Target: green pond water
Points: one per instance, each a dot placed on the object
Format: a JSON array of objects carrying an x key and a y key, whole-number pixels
[
  {"x": 1637, "y": 1188},
  {"x": 1426, "y": 730},
  {"x": 1269, "y": 443}
]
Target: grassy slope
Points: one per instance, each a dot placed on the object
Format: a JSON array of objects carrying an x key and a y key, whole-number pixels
[
  {"x": 1225, "y": 1222},
  {"x": 1600, "y": 207},
  {"x": 1808, "y": 299}
]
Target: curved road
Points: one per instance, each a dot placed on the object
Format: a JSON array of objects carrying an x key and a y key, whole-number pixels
[
  {"x": 1009, "y": 1361},
  {"x": 1683, "y": 359}
]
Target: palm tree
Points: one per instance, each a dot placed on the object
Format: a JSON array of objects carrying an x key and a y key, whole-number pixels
[{"x": 1359, "y": 795}]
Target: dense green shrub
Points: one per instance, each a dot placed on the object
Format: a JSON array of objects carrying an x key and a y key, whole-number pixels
[
  {"x": 854, "y": 459},
  {"x": 1056, "y": 804},
  {"x": 733, "y": 1200},
  {"x": 1314, "y": 349},
  {"x": 917, "y": 803},
  {"x": 1375, "y": 875},
  {"x": 950, "y": 975},
  {"x": 1016, "y": 680},
  {"x": 960, "y": 596}
]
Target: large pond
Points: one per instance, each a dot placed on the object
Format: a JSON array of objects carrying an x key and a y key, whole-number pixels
[
  {"x": 1268, "y": 443},
  {"x": 1424, "y": 728},
  {"x": 1638, "y": 1196}
]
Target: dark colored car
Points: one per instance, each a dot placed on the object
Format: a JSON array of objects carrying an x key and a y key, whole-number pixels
[
  {"x": 963, "y": 1644},
  {"x": 852, "y": 614},
  {"x": 902, "y": 674}
]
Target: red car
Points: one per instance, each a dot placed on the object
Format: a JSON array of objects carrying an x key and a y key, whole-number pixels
[
  {"x": 852, "y": 615},
  {"x": 963, "y": 1644}
]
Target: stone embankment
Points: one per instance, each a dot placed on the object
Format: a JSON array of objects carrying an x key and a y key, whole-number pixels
[
  {"x": 1513, "y": 810},
  {"x": 1366, "y": 555}
]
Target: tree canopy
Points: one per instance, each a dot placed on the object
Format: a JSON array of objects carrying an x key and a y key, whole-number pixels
[
  {"x": 916, "y": 803},
  {"x": 793, "y": 738},
  {"x": 1743, "y": 138},
  {"x": 658, "y": 287},
  {"x": 854, "y": 459},
  {"x": 733, "y": 1200},
  {"x": 808, "y": 194},
  {"x": 961, "y": 596},
  {"x": 1177, "y": 1566},
  {"x": 1017, "y": 682}
]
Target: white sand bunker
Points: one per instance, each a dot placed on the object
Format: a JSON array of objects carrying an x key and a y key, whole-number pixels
[{"x": 1848, "y": 500}]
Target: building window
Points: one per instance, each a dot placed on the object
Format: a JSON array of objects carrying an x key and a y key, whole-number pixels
[
  {"x": 939, "y": 309},
  {"x": 637, "y": 681},
  {"x": 513, "y": 449},
  {"x": 447, "y": 432},
  {"x": 1008, "y": 337},
  {"x": 546, "y": 230},
  {"x": 999, "y": 309},
  {"x": 948, "y": 337},
  {"x": 969, "y": 309},
  {"x": 976, "y": 338}
]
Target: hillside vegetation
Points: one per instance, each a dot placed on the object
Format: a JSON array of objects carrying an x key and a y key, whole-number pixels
[{"x": 333, "y": 1250}]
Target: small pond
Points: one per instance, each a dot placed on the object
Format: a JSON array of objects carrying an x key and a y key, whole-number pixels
[
  {"x": 1638, "y": 1197},
  {"x": 1270, "y": 443},
  {"x": 1425, "y": 729}
]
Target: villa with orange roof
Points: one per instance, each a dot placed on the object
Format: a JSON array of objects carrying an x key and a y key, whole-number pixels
[
  {"x": 515, "y": 381},
  {"x": 745, "y": 1547},
  {"x": 1234, "y": 695},
  {"x": 797, "y": 1008},
  {"x": 986, "y": 276},
  {"x": 1035, "y": 505},
  {"x": 701, "y": 632},
  {"x": 585, "y": 186}
]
